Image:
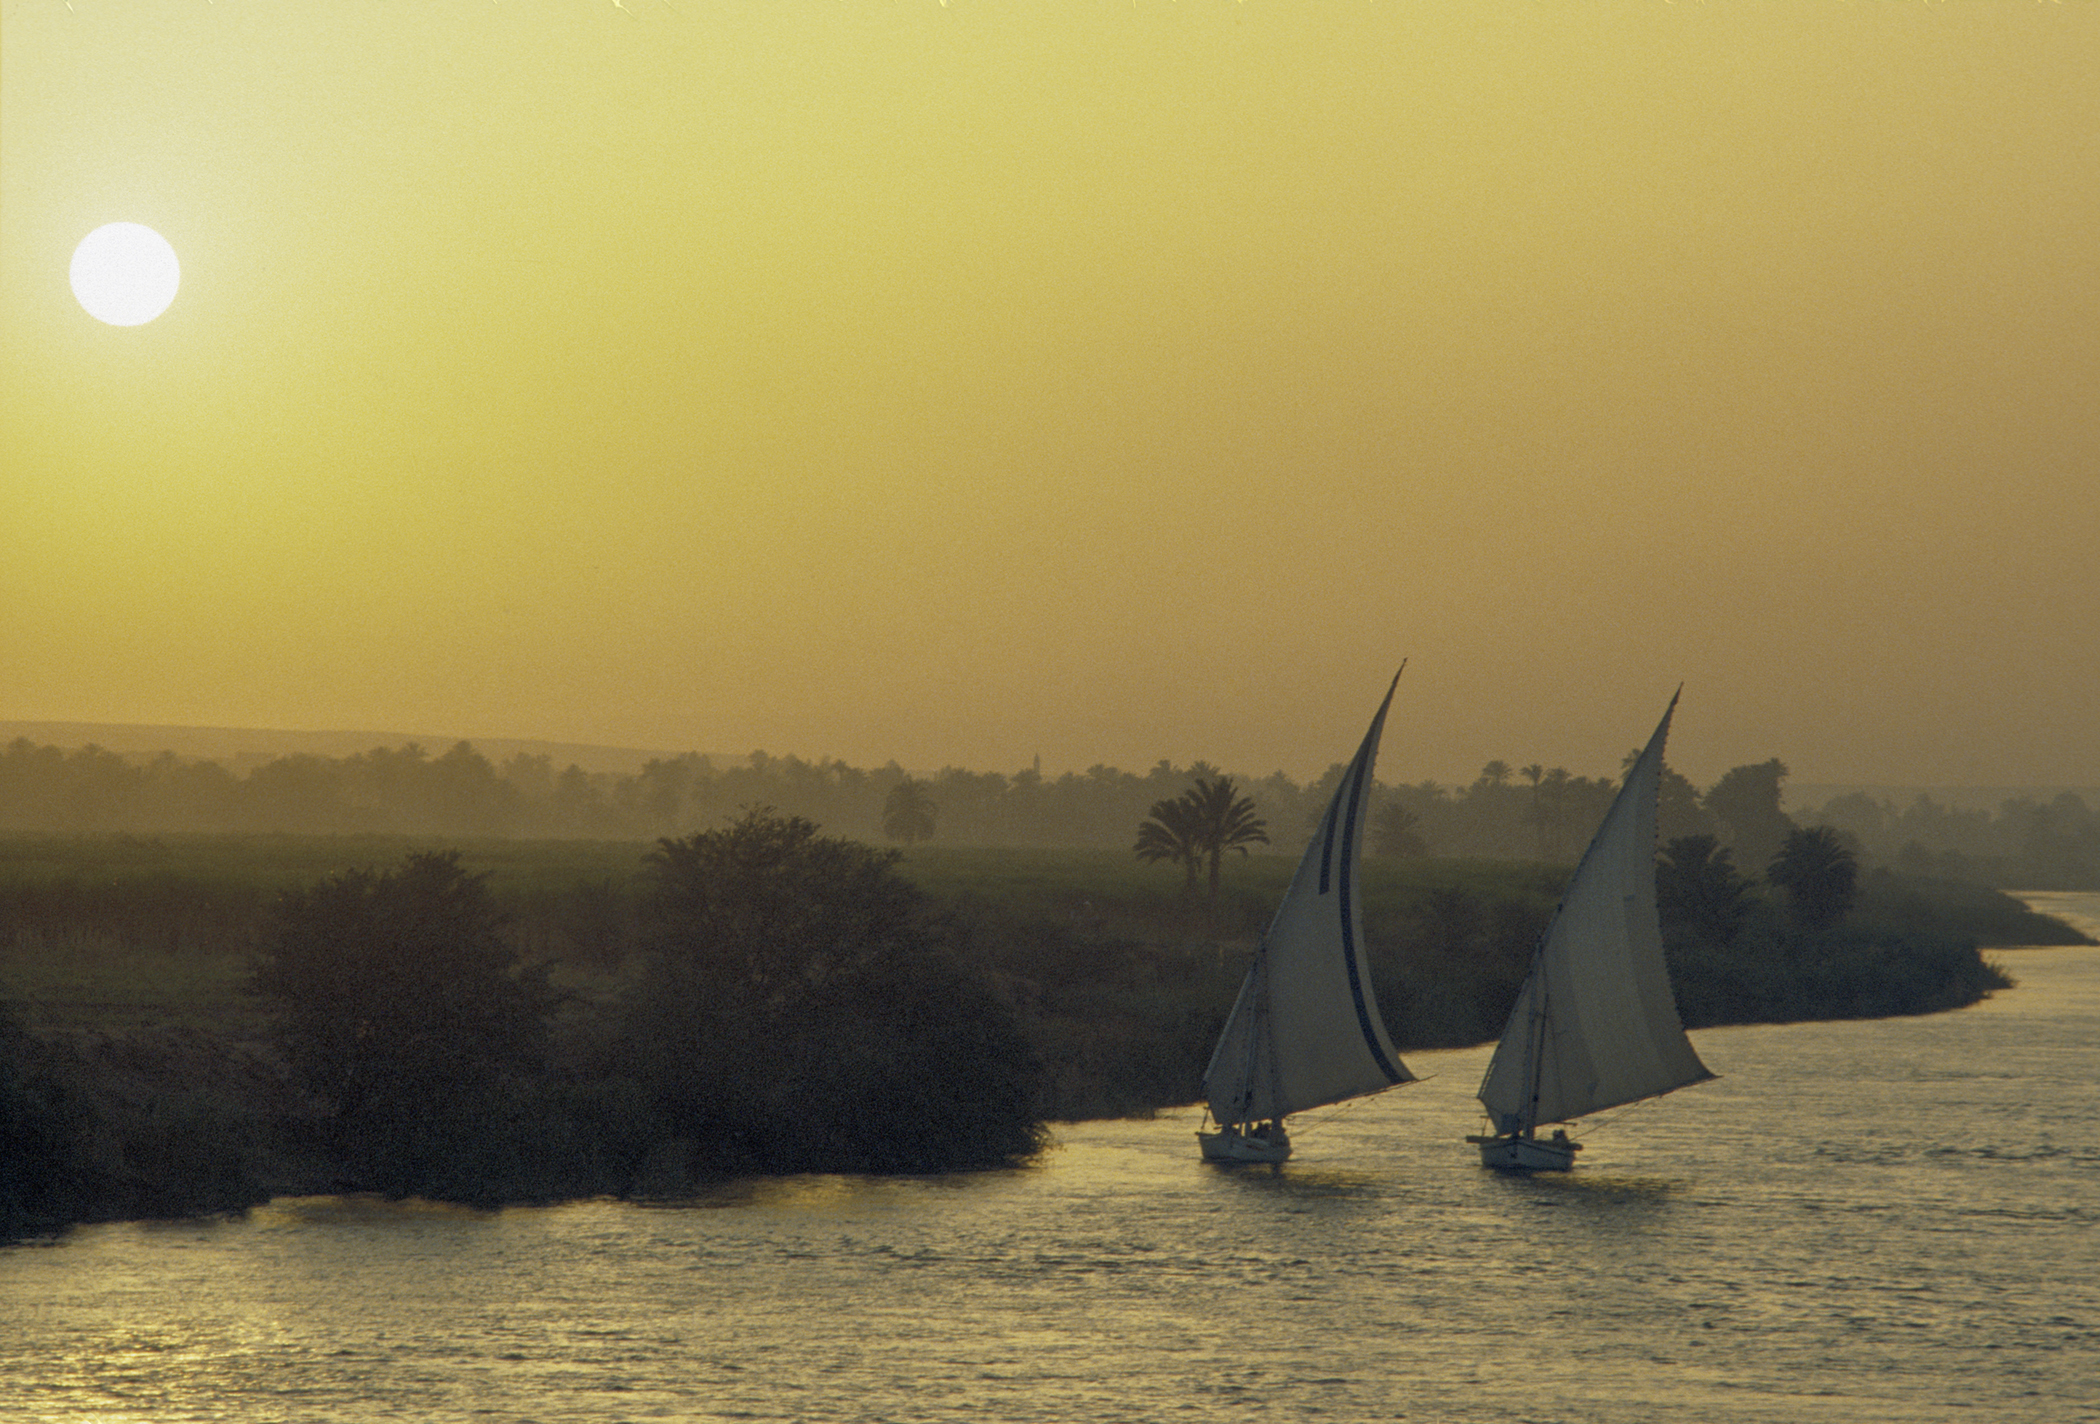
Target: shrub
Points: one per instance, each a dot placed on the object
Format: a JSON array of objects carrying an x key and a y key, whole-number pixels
[
  {"x": 804, "y": 1010},
  {"x": 404, "y": 1012}
]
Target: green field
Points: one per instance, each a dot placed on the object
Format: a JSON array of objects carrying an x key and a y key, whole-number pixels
[{"x": 116, "y": 933}]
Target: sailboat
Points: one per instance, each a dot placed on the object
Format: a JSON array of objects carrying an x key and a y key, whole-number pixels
[
  {"x": 1595, "y": 1025},
  {"x": 1305, "y": 1029}
]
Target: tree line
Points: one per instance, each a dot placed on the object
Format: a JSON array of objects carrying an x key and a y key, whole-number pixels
[
  {"x": 1530, "y": 812},
  {"x": 2026, "y": 843}
]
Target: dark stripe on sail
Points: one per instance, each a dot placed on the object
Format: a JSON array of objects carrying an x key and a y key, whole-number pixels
[
  {"x": 1348, "y": 884},
  {"x": 1327, "y": 843}
]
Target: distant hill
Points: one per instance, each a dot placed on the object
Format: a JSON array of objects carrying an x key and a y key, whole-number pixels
[{"x": 240, "y": 749}]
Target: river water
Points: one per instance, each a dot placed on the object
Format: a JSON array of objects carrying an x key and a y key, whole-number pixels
[{"x": 1857, "y": 1222}]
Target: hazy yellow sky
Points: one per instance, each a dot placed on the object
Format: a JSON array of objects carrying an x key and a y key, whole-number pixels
[{"x": 1100, "y": 381}]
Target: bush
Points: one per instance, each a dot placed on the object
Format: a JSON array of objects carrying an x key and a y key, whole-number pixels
[
  {"x": 45, "y": 1173},
  {"x": 1768, "y": 974},
  {"x": 804, "y": 1010},
  {"x": 406, "y": 1015}
]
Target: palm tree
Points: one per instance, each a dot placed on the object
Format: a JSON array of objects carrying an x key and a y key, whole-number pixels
[
  {"x": 1552, "y": 794},
  {"x": 1819, "y": 874},
  {"x": 1393, "y": 835},
  {"x": 1169, "y": 833},
  {"x": 1697, "y": 885},
  {"x": 1224, "y": 820},
  {"x": 1746, "y": 802},
  {"x": 908, "y": 811},
  {"x": 1537, "y": 814}
]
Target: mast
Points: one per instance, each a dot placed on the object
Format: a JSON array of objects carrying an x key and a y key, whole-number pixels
[
  {"x": 1536, "y": 1054},
  {"x": 1257, "y": 1035}
]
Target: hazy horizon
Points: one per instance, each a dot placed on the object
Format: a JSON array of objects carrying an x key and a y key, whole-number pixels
[
  {"x": 252, "y": 745},
  {"x": 958, "y": 384}
]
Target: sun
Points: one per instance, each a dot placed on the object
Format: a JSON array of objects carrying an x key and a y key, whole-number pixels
[{"x": 125, "y": 274}]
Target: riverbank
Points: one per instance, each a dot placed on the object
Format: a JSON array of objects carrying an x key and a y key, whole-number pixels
[{"x": 140, "y": 1078}]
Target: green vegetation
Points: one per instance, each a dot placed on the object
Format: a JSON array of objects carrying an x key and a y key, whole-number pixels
[
  {"x": 908, "y": 812},
  {"x": 403, "y": 1014},
  {"x": 2025, "y": 844},
  {"x": 1839, "y": 946},
  {"x": 1198, "y": 827},
  {"x": 459, "y": 795},
  {"x": 802, "y": 1007},
  {"x": 1819, "y": 875},
  {"x": 622, "y": 1017}
]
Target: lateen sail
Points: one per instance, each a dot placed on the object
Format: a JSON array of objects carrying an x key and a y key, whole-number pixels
[
  {"x": 1596, "y": 1025},
  {"x": 1305, "y": 1030}
]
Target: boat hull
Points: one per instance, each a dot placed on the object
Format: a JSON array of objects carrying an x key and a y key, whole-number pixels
[
  {"x": 1232, "y": 1146},
  {"x": 1515, "y": 1153}
]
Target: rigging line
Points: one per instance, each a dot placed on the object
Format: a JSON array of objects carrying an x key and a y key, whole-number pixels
[
  {"x": 1593, "y": 1123},
  {"x": 1315, "y": 1124},
  {"x": 1346, "y": 1106}
]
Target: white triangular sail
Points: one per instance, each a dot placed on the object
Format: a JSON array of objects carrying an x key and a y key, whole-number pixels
[
  {"x": 1595, "y": 1024},
  {"x": 1305, "y": 1030}
]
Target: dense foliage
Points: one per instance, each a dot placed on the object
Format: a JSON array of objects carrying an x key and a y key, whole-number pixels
[
  {"x": 1738, "y": 956},
  {"x": 803, "y": 1008},
  {"x": 760, "y": 998},
  {"x": 1820, "y": 876},
  {"x": 403, "y": 1011},
  {"x": 85, "y": 1136},
  {"x": 41, "y": 1152}
]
